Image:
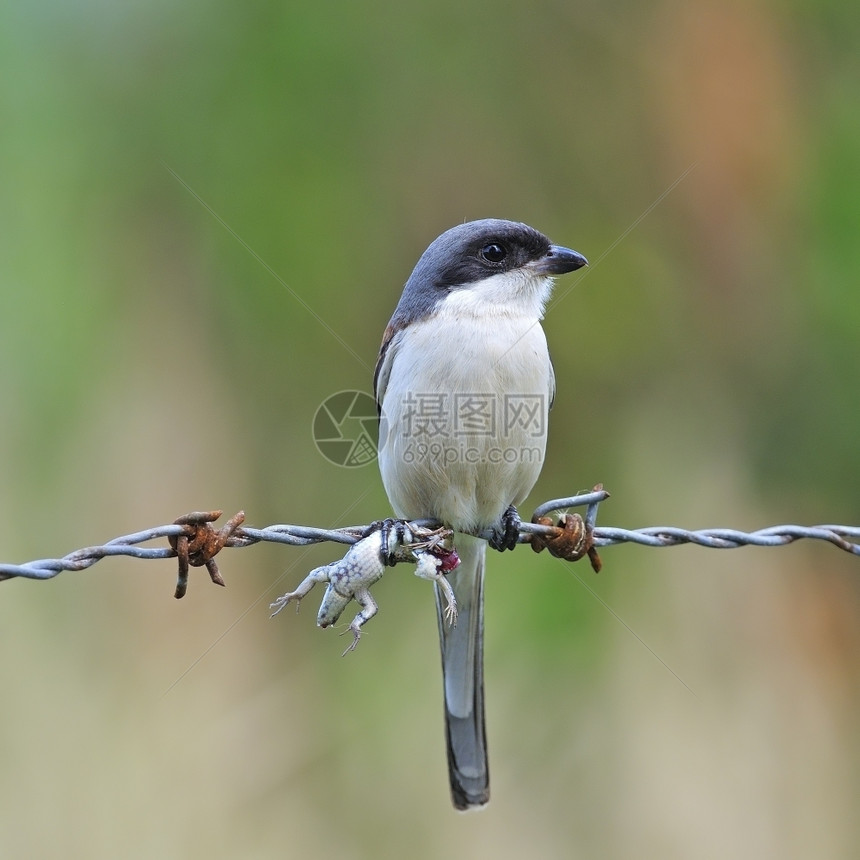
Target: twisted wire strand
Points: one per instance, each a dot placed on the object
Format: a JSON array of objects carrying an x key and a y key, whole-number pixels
[{"x": 846, "y": 538}]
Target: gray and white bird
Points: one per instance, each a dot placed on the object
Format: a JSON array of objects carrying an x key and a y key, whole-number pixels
[{"x": 464, "y": 384}]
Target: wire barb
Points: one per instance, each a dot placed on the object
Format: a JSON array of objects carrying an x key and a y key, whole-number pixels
[
  {"x": 204, "y": 542},
  {"x": 200, "y": 543}
]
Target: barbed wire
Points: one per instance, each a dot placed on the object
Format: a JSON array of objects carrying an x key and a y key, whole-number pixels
[{"x": 194, "y": 542}]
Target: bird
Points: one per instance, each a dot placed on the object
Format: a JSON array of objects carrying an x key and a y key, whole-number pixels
[{"x": 463, "y": 385}]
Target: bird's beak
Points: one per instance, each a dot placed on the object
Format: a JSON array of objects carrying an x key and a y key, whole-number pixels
[{"x": 559, "y": 260}]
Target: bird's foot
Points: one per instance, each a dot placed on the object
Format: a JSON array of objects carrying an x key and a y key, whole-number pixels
[
  {"x": 507, "y": 532},
  {"x": 388, "y": 529}
]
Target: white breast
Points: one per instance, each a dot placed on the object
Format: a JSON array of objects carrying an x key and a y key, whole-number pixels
[{"x": 465, "y": 410}]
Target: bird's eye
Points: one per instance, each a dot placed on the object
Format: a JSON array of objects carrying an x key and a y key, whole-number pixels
[{"x": 494, "y": 253}]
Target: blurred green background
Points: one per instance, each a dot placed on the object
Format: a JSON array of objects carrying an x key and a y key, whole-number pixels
[{"x": 708, "y": 375}]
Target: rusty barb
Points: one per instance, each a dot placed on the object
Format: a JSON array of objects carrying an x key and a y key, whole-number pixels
[
  {"x": 195, "y": 542},
  {"x": 571, "y": 537},
  {"x": 199, "y": 543}
]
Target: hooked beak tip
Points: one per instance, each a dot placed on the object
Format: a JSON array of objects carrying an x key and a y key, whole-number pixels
[{"x": 559, "y": 260}]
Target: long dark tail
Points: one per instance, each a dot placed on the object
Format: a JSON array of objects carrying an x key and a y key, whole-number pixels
[{"x": 463, "y": 678}]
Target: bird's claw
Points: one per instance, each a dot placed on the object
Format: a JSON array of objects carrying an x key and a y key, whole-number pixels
[
  {"x": 389, "y": 528},
  {"x": 507, "y": 532}
]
